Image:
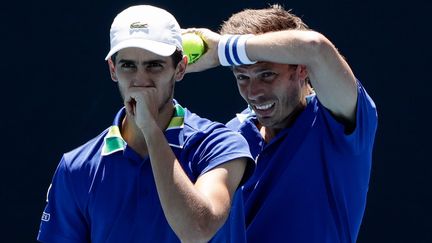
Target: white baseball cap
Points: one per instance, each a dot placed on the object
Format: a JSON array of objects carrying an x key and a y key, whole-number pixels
[{"x": 146, "y": 27}]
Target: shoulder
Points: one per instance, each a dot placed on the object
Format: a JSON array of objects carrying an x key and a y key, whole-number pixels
[
  {"x": 357, "y": 137},
  {"x": 202, "y": 132},
  {"x": 209, "y": 143},
  {"x": 365, "y": 113},
  {"x": 239, "y": 119},
  {"x": 86, "y": 155},
  {"x": 196, "y": 125}
]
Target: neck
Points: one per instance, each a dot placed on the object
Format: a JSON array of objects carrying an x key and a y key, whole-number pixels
[{"x": 269, "y": 132}]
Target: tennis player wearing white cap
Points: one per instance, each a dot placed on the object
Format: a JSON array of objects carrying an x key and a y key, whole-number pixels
[{"x": 160, "y": 173}]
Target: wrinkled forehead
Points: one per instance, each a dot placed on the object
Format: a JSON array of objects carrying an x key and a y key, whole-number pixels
[{"x": 261, "y": 67}]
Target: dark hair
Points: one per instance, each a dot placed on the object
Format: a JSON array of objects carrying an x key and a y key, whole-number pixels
[
  {"x": 259, "y": 21},
  {"x": 177, "y": 56}
]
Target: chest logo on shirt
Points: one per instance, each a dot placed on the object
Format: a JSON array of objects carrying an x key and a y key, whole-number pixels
[{"x": 45, "y": 217}]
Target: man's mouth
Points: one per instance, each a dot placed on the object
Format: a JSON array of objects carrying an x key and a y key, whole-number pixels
[{"x": 264, "y": 107}]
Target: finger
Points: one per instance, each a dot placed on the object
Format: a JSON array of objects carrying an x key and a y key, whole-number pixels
[
  {"x": 130, "y": 106},
  {"x": 188, "y": 30}
]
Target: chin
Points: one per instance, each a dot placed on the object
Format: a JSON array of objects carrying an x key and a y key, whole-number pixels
[{"x": 267, "y": 122}]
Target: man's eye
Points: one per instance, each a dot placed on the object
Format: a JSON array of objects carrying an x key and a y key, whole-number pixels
[
  {"x": 154, "y": 65},
  {"x": 267, "y": 74},
  {"x": 128, "y": 65},
  {"x": 241, "y": 77}
]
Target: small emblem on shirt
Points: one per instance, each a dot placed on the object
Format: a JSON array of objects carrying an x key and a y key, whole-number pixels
[{"x": 45, "y": 217}]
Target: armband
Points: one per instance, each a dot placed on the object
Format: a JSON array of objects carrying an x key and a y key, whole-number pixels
[{"x": 232, "y": 50}]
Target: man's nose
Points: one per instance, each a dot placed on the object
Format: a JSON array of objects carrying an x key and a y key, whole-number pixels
[
  {"x": 142, "y": 78},
  {"x": 255, "y": 89}
]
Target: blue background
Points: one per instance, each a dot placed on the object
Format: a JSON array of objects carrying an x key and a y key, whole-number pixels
[{"x": 57, "y": 94}]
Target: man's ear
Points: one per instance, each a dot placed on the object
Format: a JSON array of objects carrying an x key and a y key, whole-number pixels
[
  {"x": 111, "y": 68},
  {"x": 302, "y": 72},
  {"x": 181, "y": 69}
]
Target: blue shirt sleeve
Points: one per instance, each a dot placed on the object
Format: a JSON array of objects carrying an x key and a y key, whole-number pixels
[
  {"x": 348, "y": 159},
  {"x": 362, "y": 137},
  {"x": 63, "y": 219},
  {"x": 218, "y": 147}
]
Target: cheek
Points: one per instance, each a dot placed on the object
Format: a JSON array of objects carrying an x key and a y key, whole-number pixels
[
  {"x": 283, "y": 92},
  {"x": 165, "y": 87},
  {"x": 121, "y": 77},
  {"x": 242, "y": 90},
  {"x": 122, "y": 84}
]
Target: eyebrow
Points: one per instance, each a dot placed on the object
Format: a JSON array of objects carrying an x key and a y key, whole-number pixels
[
  {"x": 257, "y": 70},
  {"x": 143, "y": 63}
]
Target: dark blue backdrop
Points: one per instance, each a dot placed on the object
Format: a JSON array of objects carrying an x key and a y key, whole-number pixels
[{"x": 57, "y": 94}]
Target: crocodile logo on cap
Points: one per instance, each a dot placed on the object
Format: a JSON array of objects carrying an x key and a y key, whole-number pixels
[{"x": 139, "y": 25}]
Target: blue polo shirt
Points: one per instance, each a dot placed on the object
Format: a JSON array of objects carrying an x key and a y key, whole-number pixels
[
  {"x": 103, "y": 191},
  {"x": 311, "y": 180}
]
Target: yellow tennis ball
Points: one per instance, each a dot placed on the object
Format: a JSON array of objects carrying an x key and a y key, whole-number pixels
[{"x": 193, "y": 47}]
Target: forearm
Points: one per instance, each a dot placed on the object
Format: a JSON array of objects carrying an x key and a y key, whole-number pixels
[
  {"x": 329, "y": 73},
  {"x": 289, "y": 47},
  {"x": 189, "y": 213}
]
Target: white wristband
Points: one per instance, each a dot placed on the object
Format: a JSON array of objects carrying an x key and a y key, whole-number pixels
[{"x": 232, "y": 50}]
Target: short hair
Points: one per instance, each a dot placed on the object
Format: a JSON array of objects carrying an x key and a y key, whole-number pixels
[{"x": 259, "y": 21}]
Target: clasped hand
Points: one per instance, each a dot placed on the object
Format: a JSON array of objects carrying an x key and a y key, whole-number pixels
[{"x": 142, "y": 105}]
